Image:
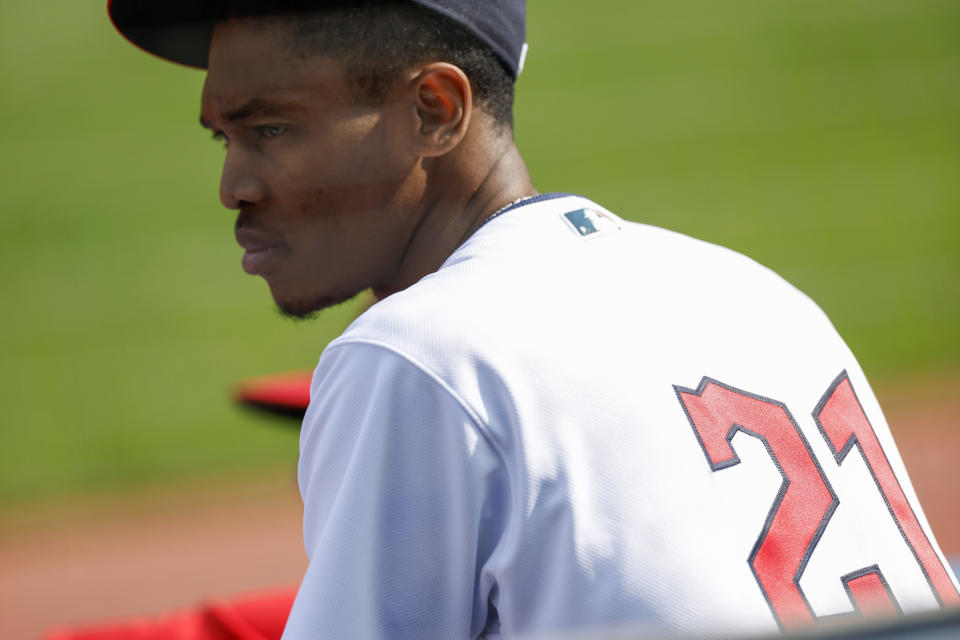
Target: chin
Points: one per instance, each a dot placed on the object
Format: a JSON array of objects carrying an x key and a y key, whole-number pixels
[{"x": 306, "y": 308}]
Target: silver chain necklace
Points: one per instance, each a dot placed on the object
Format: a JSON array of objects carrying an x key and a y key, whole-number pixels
[{"x": 509, "y": 205}]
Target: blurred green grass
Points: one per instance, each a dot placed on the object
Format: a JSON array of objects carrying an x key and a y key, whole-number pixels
[{"x": 821, "y": 138}]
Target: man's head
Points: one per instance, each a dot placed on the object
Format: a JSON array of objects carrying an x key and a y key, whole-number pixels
[
  {"x": 346, "y": 129},
  {"x": 377, "y": 39}
]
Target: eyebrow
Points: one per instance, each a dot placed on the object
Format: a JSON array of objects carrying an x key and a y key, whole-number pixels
[{"x": 251, "y": 108}]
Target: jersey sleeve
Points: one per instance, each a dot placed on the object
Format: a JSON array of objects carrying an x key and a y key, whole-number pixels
[{"x": 404, "y": 501}]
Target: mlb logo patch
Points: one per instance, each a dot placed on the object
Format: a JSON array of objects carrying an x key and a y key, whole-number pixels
[{"x": 586, "y": 222}]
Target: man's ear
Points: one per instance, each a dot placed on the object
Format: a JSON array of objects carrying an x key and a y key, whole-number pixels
[{"x": 444, "y": 103}]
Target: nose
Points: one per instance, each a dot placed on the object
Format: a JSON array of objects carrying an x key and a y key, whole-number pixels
[{"x": 239, "y": 184}]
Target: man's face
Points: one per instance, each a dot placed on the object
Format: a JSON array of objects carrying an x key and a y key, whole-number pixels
[{"x": 325, "y": 185}]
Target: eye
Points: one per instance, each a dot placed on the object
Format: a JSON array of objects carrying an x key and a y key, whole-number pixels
[{"x": 270, "y": 130}]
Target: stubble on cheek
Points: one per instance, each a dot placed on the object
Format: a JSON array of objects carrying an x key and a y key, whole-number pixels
[
  {"x": 348, "y": 235},
  {"x": 328, "y": 262}
]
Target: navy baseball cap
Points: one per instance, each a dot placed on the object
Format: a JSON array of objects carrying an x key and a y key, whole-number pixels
[{"x": 180, "y": 30}]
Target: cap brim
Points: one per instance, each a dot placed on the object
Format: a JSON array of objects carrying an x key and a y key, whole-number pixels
[{"x": 175, "y": 30}]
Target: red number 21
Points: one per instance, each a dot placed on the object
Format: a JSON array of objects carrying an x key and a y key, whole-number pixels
[{"x": 806, "y": 501}]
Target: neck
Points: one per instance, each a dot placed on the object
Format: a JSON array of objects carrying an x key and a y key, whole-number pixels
[{"x": 462, "y": 190}]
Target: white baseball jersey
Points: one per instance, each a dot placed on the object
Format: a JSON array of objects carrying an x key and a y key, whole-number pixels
[{"x": 579, "y": 421}]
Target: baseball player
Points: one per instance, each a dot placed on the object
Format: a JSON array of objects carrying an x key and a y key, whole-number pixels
[{"x": 553, "y": 418}]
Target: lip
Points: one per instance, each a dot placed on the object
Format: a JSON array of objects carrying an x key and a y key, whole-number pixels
[{"x": 262, "y": 249}]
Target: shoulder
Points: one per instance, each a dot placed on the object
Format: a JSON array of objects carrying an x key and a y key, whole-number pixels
[
  {"x": 570, "y": 248},
  {"x": 568, "y": 262}
]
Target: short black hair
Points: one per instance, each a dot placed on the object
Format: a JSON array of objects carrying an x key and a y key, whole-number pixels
[{"x": 378, "y": 41}]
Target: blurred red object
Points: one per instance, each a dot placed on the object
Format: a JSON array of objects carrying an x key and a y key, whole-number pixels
[
  {"x": 257, "y": 616},
  {"x": 286, "y": 394}
]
